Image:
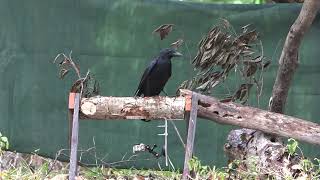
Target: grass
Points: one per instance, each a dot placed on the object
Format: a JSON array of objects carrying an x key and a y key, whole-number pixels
[
  {"x": 17, "y": 166},
  {"x": 27, "y": 171}
]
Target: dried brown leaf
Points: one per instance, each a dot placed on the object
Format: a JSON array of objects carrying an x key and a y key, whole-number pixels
[
  {"x": 209, "y": 44},
  {"x": 176, "y": 44},
  {"x": 251, "y": 69},
  {"x": 266, "y": 64},
  {"x": 163, "y": 30},
  {"x": 242, "y": 91},
  {"x": 201, "y": 42},
  {"x": 214, "y": 83},
  {"x": 245, "y": 28},
  {"x": 225, "y": 23},
  {"x": 65, "y": 62},
  {"x": 203, "y": 86},
  {"x": 213, "y": 32},
  {"x": 224, "y": 59},
  {"x": 247, "y": 53},
  {"x": 255, "y": 60},
  {"x": 206, "y": 56},
  {"x": 76, "y": 86},
  {"x": 248, "y": 37},
  {"x": 63, "y": 73}
]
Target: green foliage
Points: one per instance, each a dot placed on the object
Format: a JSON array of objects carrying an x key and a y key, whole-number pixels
[
  {"x": 292, "y": 146},
  {"x": 307, "y": 165},
  {"x": 96, "y": 172},
  {"x": 205, "y": 172},
  {"x": 195, "y": 165},
  {"x": 317, "y": 166},
  {"x": 236, "y": 169},
  {"x": 308, "y": 168},
  {"x": 4, "y": 143}
]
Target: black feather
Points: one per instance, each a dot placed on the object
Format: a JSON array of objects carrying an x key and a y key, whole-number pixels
[{"x": 156, "y": 74}]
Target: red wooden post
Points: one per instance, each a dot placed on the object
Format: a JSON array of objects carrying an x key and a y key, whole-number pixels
[
  {"x": 70, "y": 114},
  {"x": 192, "y": 121},
  {"x": 74, "y": 103}
]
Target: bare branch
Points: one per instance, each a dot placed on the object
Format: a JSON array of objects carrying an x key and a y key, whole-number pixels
[{"x": 289, "y": 57}]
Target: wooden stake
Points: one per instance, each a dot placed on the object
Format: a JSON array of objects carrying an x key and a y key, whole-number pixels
[
  {"x": 70, "y": 115},
  {"x": 191, "y": 135},
  {"x": 74, "y": 137}
]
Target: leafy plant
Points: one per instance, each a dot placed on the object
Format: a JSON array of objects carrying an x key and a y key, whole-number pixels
[
  {"x": 317, "y": 167},
  {"x": 4, "y": 143},
  {"x": 205, "y": 172},
  {"x": 195, "y": 165},
  {"x": 307, "y": 165},
  {"x": 292, "y": 146}
]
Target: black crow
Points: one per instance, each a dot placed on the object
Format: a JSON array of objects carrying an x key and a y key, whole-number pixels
[{"x": 156, "y": 74}]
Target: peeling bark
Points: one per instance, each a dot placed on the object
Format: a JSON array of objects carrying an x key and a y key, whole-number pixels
[
  {"x": 253, "y": 118},
  {"x": 132, "y": 108},
  {"x": 208, "y": 107}
]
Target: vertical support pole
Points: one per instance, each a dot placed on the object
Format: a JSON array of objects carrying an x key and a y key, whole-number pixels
[
  {"x": 166, "y": 142},
  {"x": 70, "y": 114},
  {"x": 191, "y": 133},
  {"x": 70, "y": 117},
  {"x": 74, "y": 136}
]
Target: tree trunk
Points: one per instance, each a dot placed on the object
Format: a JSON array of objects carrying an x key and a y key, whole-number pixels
[
  {"x": 269, "y": 149},
  {"x": 288, "y": 61}
]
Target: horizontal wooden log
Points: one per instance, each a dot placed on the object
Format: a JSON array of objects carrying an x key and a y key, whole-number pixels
[
  {"x": 208, "y": 107},
  {"x": 133, "y": 107},
  {"x": 253, "y": 118}
]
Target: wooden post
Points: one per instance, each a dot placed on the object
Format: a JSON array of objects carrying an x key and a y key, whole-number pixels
[
  {"x": 70, "y": 114},
  {"x": 191, "y": 133},
  {"x": 74, "y": 135}
]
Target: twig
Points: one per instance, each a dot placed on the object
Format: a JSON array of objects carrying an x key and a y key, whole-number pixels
[
  {"x": 95, "y": 152},
  {"x": 171, "y": 163},
  {"x": 73, "y": 64},
  {"x": 177, "y": 131},
  {"x": 261, "y": 77}
]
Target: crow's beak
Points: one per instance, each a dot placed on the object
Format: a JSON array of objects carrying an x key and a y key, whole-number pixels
[{"x": 177, "y": 54}]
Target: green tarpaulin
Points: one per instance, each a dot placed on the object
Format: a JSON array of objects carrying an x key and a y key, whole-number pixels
[{"x": 114, "y": 40}]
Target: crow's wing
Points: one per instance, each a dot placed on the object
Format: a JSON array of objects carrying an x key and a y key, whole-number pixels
[{"x": 146, "y": 73}]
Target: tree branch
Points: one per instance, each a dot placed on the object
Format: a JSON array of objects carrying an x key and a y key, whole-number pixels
[
  {"x": 289, "y": 57},
  {"x": 252, "y": 118}
]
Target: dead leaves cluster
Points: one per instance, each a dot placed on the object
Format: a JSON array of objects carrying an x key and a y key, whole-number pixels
[
  {"x": 176, "y": 44},
  {"x": 65, "y": 65},
  {"x": 219, "y": 52},
  {"x": 163, "y": 30},
  {"x": 88, "y": 86}
]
